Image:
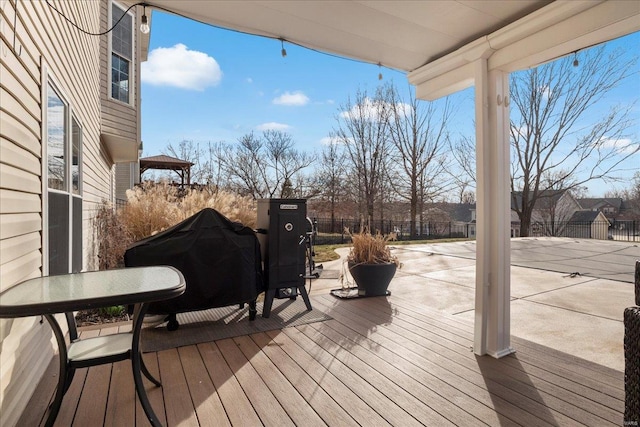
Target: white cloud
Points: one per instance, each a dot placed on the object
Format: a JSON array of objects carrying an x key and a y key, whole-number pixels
[
  {"x": 329, "y": 140},
  {"x": 334, "y": 140},
  {"x": 296, "y": 98},
  {"x": 371, "y": 110},
  {"x": 180, "y": 67},
  {"x": 249, "y": 80},
  {"x": 621, "y": 146},
  {"x": 273, "y": 126}
]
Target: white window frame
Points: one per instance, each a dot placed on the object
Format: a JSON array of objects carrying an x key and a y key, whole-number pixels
[
  {"x": 110, "y": 55},
  {"x": 50, "y": 81}
]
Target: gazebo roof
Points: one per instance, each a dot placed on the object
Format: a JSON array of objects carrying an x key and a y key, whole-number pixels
[{"x": 163, "y": 162}]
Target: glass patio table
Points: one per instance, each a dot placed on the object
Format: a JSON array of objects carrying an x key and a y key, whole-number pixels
[{"x": 47, "y": 296}]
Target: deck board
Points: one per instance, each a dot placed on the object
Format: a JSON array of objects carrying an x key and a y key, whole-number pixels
[
  {"x": 72, "y": 397},
  {"x": 205, "y": 399},
  {"x": 603, "y": 379},
  {"x": 341, "y": 393},
  {"x": 379, "y": 375},
  {"x": 267, "y": 406},
  {"x": 441, "y": 367},
  {"x": 236, "y": 403},
  {"x": 442, "y": 395},
  {"x": 378, "y": 361},
  {"x": 177, "y": 400},
  {"x": 92, "y": 406},
  {"x": 292, "y": 402},
  {"x": 318, "y": 399},
  {"x": 155, "y": 394}
]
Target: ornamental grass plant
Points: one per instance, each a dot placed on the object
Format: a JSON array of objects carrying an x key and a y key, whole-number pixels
[
  {"x": 152, "y": 208},
  {"x": 370, "y": 248}
]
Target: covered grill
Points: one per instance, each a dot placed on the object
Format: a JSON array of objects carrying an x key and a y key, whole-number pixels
[{"x": 219, "y": 259}]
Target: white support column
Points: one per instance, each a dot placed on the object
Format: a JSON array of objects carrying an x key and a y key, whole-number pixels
[{"x": 493, "y": 289}]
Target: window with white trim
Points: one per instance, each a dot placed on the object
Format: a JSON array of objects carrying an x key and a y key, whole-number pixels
[
  {"x": 64, "y": 186},
  {"x": 121, "y": 53}
]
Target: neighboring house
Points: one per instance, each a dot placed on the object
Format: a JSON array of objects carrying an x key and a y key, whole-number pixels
[
  {"x": 69, "y": 111},
  {"x": 611, "y": 207},
  {"x": 587, "y": 225},
  {"x": 515, "y": 224},
  {"x": 552, "y": 207},
  {"x": 550, "y": 215}
]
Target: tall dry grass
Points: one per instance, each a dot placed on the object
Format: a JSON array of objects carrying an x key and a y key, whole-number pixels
[
  {"x": 370, "y": 248},
  {"x": 237, "y": 208},
  {"x": 152, "y": 208}
]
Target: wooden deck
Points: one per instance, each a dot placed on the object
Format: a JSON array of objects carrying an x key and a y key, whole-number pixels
[{"x": 380, "y": 361}]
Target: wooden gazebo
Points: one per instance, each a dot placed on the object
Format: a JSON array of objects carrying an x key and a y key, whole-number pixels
[{"x": 163, "y": 162}]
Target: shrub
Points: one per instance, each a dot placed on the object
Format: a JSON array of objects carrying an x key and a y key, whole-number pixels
[{"x": 111, "y": 237}]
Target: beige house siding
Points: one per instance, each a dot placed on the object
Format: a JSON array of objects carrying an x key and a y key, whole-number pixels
[
  {"x": 42, "y": 47},
  {"x": 127, "y": 175},
  {"x": 119, "y": 118}
]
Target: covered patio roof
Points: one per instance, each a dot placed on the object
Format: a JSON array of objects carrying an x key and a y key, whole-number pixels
[
  {"x": 444, "y": 46},
  {"x": 399, "y": 34}
]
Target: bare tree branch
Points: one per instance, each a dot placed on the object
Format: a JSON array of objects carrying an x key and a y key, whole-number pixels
[{"x": 554, "y": 141}]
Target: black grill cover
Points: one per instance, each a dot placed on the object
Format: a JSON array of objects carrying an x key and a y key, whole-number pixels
[{"x": 220, "y": 261}]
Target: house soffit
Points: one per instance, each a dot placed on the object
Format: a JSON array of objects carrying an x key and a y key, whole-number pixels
[
  {"x": 435, "y": 42},
  {"x": 403, "y": 35}
]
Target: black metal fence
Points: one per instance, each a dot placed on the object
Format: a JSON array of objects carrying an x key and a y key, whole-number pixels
[
  {"x": 602, "y": 230},
  {"x": 337, "y": 231}
]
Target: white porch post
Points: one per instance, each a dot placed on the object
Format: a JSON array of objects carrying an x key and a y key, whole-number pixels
[{"x": 493, "y": 293}]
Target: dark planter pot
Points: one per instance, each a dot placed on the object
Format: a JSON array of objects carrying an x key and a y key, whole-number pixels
[{"x": 372, "y": 279}]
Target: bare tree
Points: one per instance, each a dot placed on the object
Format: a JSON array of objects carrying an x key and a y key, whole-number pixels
[
  {"x": 556, "y": 204},
  {"x": 551, "y": 134},
  {"x": 363, "y": 128},
  {"x": 630, "y": 196},
  {"x": 284, "y": 161},
  {"x": 244, "y": 165},
  {"x": 463, "y": 151},
  {"x": 420, "y": 141},
  {"x": 265, "y": 167},
  {"x": 330, "y": 175},
  {"x": 214, "y": 173},
  {"x": 189, "y": 151}
]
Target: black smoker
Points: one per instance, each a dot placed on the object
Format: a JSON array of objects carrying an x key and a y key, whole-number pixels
[{"x": 282, "y": 232}]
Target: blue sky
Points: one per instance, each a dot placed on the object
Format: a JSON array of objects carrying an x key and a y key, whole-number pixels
[{"x": 206, "y": 84}]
